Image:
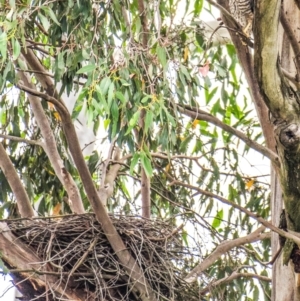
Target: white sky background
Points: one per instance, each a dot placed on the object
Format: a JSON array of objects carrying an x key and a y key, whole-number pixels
[{"x": 255, "y": 164}]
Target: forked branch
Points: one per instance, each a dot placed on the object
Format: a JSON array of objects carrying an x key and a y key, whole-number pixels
[{"x": 140, "y": 284}]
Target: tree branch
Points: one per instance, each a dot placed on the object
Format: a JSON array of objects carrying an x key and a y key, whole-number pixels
[
  {"x": 202, "y": 115},
  {"x": 16, "y": 254},
  {"x": 133, "y": 270},
  {"x": 108, "y": 177},
  {"x": 50, "y": 147},
  {"x": 233, "y": 276},
  {"x": 144, "y": 22},
  {"x": 19, "y": 139},
  {"x": 15, "y": 183},
  {"x": 256, "y": 217},
  {"x": 223, "y": 248},
  {"x": 266, "y": 59},
  {"x": 294, "y": 43},
  {"x": 246, "y": 61}
]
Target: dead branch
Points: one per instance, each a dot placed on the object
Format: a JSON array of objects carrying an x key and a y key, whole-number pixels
[
  {"x": 233, "y": 276},
  {"x": 19, "y": 139},
  {"x": 221, "y": 249}
]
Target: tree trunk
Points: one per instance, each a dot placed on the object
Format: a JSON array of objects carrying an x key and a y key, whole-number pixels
[
  {"x": 282, "y": 275},
  {"x": 281, "y": 96}
]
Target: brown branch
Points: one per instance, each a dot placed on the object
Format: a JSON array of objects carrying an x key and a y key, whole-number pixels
[
  {"x": 291, "y": 77},
  {"x": 18, "y": 139},
  {"x": 238, "y": 207},
  {"x": 145, "y": 180},
  {"x": 144, "y": 22},
  {"x": 16, "y": 254},
  {"x": 246, "y": 61},
  {"x": 223, "y": 248},
  {"x": 145, "y": 194},
  {"x": 202, "y": 115},
  {"x": 15, "y": 183},
  {"x": 50, "y": 146},
  {"x": 233, "y": 276},
  {"x": 292, "y": 38},
  {"x": 133, "y": 270}
]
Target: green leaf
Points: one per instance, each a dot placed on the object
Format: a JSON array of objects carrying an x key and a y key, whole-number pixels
[
  {"x": 148, "y": 120},
  {"x": 218, "y": 219},
  {"x": 146, "y": 164},
  {"x": 145, "y": 99},
  {"x": 120, "y": 96},
  {"x": 184, "y": 237},
  {"x": 16, "y": 49},
  {"x": 3, "y": 45},
  {"x": 210, "y": 95},
  {"x": 162, "y": 57},
  {"x": 184, "y": 70},
  {"x": 110, "y": 94},
  {"x": 133, "y": 121},
  {"x": 104, "y": 85},
  {"x": 2, "y": 266},
  {"x": 198, "y": 7},
  {"x": 44, "y": 21},
  {"x": 48, "y": 11},
  {"x": 86, "y": 69},
  {"x": 134, "y": 162}
]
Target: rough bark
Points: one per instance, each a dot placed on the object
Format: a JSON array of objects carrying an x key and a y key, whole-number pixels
[
  {"x": 283, "y": 278},
  {"x": 281, "y": 97}
]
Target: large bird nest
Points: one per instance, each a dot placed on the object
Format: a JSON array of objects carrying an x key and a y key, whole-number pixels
[{"x": 77, "y": 248}]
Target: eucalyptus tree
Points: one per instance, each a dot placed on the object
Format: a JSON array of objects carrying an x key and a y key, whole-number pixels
[{"x": 177, "y": 125}]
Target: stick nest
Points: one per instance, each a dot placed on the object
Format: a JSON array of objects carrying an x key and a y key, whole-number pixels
[{"x": 77, "y": 249}]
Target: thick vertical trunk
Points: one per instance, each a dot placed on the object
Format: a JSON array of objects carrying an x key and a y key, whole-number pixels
[
  {"x": 283, "y": 279},
  {"x": 280, "y": 96},
  {"x": 282, "y": 275}
]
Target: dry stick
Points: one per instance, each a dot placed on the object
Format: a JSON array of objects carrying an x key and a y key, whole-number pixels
[
  {"x": 202, "y": 115},
  {"x": 222, "y": 249},
  {"x": 236, "y": 206},
  {"x": 50, "y": 148},
  {"x": 15, "y": 183},
  {"x": 19, "y": 139},
  {"x": 81, "y": 260},
  {"x": 129, "y": 263},
  {"x": 233, "y": 276}
]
